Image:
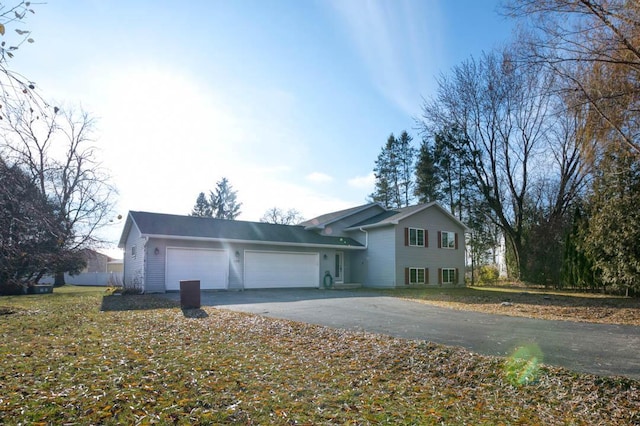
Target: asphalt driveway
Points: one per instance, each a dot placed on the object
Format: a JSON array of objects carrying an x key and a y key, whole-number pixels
[{"x": 607, "y": 350}]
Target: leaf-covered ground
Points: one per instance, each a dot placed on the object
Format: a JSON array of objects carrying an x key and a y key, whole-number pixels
[
  {"x": 77, "y": 357},
  {"x": 531, "y": 303}
]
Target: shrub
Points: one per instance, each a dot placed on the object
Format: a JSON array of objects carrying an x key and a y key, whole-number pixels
[{"x": 489, "y": 274}]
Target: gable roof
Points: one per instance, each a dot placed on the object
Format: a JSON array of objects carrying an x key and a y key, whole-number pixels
[
  {"x": 169, "y": 226},
  {"x": 393, "y": 217},
  {"x": 325, "y": 219}
]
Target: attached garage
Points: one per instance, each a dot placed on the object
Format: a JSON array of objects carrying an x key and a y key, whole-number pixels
[
  {"x": 209, "y": 266},
  {"x": 270, "y": 269}
]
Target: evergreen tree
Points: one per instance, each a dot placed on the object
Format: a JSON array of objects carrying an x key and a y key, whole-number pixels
[
  {"x": 223, "y": 201},
  {"x": 202, "y": 208},
  {"x": 29, "y": 231},
  {"x": 405, "y": 158},
  {"x": 614, "y": 224},
  {"x": 454, "y": 177},
  {"x": 427, "y": 177},
  {"x": 393, "y": 172},
  {"x": 577, "y": 267}
]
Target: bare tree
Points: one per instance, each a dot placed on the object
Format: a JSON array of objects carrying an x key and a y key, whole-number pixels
[
  {"x": 13, "y": 34},
  {"x": 594, "y": 47},
  {"x": 278, "y": 216},
  {"x": 504, "y": 115},
  {"x": 55, "y": 146}
]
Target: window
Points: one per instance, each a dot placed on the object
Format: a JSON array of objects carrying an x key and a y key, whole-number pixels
[
  {"x": 448, "y": 276},
  {"x": 416, "y": 237},
  {"x": 416, "y": 276},
  {"x": 448, "y": 240},
  {"x": 133, "y": 252}
]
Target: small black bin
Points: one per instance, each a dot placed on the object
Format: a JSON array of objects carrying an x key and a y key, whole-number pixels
[{"x": 190, "y": 294}]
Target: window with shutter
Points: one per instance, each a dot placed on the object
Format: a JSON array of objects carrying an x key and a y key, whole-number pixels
[{"x": 416, "y": 237}]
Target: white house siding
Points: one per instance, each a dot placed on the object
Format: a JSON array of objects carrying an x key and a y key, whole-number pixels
[
  {"x": 134, "y": 267},
  {"x": 380, "y": 258},
  {"x": 156, "y": 263},
  {"x": 154, "y": 280},
  {"x": 432, "y": 257}
]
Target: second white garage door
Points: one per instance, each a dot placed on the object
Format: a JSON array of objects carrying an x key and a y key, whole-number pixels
[
  {"x": 264, "y": 269},
  {"x": 211, "y": 267}
]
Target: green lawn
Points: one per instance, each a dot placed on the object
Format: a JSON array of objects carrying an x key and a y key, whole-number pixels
[{"x": 77, "y": 357}]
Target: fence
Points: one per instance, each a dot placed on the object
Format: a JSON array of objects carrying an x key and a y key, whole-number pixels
[{"x": 89, "y": 278}]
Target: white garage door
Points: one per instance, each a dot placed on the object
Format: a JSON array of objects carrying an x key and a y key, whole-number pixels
[
  {"x": 211, "y": 267},
  {"x": 278, "y": 269}
]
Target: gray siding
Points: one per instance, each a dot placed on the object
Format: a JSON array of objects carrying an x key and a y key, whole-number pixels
[
  {"x": 380, "y": 258},
  {"x": 432, "y": 257},
  {"x": 134, "y": 267}
]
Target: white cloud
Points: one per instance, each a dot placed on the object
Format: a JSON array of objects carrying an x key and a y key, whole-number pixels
[
  {"x": 319, "y": 177},
  {"x": 363, "y": 182},
  {"x": 400, "y": 43}
]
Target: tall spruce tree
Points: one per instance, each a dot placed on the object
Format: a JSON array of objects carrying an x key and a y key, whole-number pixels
[
  {"x": 405, "y": 157},
  {"x": 427, "y": 185},
  {"x": 394, "y": 171},
  {"x": 223, "y": 201},
  {"x": 202, "y": 208}
]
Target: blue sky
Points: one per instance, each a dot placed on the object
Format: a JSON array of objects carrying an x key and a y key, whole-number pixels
[{"x": 290, "y": 100}]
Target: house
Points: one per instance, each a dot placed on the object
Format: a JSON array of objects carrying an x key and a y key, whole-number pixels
[
  {"x": 100, "y": 270},
  {"x": 370, "y": 245},
  {"x": 96, "y": 262}
]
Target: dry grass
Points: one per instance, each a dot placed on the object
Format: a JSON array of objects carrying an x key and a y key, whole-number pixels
[
  {"x": 78, "y": 357},
  {"x": 531, "y": 303}
]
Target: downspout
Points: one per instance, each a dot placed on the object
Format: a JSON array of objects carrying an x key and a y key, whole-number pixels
[
  {"x": 366, "y": 246},
  {"x": 366, "y": 238},
  {"x": 144, "y": 264}
]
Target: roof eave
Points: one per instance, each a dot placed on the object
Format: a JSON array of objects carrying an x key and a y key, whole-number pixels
[
  {"x": 239, "y": 241},
  {"x": 336, "y": 219},
  {"x": 372, "y": 225}
]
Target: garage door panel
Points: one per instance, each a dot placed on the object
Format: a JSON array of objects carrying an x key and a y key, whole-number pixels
[
  {"x": 210, "y": 267},
  {"x": 281, "y": 269}
]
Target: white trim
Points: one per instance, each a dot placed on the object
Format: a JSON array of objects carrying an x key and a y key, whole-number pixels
[
  {"x": 400, "y": 218},
  {"x": 424, "y": 275},
  {"x": 442, "y": 246},
  {"x": 417, "y": 242},
  {"x": 323, "y": 225},
  {"x": 265, "y": 243},
  {"x": 442, "y": 276},
  {"x": 340, "y": 279}
]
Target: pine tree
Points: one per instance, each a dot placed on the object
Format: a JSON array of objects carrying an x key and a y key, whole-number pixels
[
  {"x": 223, "y": 201},
  {"x": 202, "y": 207},
  {"x": 393, "y": 172},
  {"x": 427, "y": 177},
  {"x": 405, "y": 155}
]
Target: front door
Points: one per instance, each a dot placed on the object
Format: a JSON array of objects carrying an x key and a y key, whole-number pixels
[{"x": 339, "y": 267}]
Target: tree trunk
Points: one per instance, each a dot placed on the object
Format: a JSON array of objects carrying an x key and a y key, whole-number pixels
[{"x": 59, "y": 279}]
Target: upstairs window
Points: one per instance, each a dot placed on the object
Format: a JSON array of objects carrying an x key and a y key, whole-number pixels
[
  {"x": 416, "y": 237},
  {"x": 448, "y": 240}
]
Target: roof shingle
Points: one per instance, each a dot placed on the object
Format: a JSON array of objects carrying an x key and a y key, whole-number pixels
[{"x": 158, "y": 224}]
